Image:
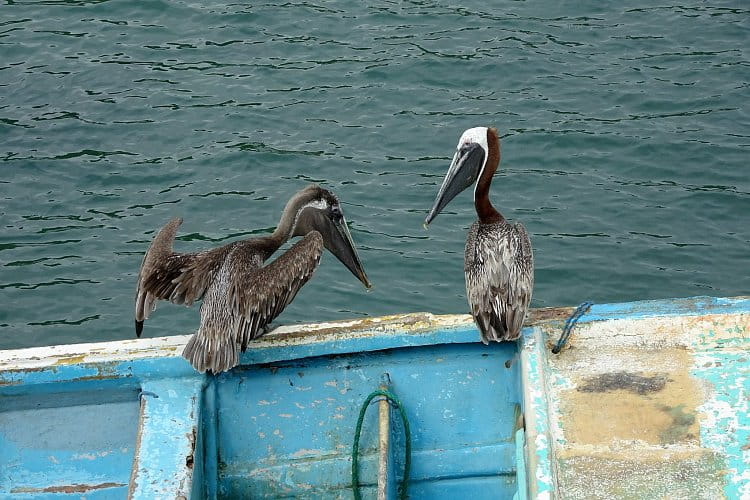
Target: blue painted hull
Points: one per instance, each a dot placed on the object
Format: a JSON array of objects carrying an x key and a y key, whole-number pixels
[
  {"x": 132, "y": 419},
  {"x": 280, "y": 425}
]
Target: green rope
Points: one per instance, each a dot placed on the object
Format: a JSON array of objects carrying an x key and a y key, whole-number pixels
[{"x": 355, "y": 448}]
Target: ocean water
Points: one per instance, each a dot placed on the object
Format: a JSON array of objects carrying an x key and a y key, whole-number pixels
[{"x": 625, "y": 140}]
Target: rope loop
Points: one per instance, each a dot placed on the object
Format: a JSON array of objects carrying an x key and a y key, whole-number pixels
[
  {"x": 569, "y": 324},
  {"x": 393, "y": 400}
]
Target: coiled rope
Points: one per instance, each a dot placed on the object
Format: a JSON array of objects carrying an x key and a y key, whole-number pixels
[
  {"x": 402, "y": 489},
  {"x": 569, "y": 324}
]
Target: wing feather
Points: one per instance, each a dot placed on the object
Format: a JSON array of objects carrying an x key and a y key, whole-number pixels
[
  {"x": 259, "y": 295},
  {"x": 181, "y": 278},
  {"x": 499, "y": 267}
]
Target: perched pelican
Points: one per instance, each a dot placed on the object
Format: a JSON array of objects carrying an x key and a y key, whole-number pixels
[
  {"x": 498, "y": 261},
  {"x": 241, "y": 295}
]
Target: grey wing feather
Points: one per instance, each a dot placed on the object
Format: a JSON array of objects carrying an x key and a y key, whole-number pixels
[
  {"x": 259, "y": 295},
  {"x": 181, "y": 278},
  {"x": 499, "y": 266}
]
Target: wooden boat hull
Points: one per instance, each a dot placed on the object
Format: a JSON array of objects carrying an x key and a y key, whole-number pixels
[{"x": 132, "y": 419}]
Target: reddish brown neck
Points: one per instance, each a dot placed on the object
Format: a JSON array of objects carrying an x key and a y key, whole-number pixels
[{"x": 486, "y": 212}]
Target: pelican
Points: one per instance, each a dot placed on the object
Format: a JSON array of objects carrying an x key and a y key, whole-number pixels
[
  {"x": 498, "y": 261},
  {"x": 241, "y": 295}
]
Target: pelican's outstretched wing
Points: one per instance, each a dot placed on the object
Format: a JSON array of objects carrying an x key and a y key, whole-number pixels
[
  {"x": 499, "y": 267},
  {"x": 237, "y": 312},
  {"x": 181, "y": 278}
]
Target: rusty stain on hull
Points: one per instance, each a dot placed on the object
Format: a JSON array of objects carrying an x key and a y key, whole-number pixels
[
  {"x": 617, "y": 405},
  {"x": 70, "y": 360},
  {"x": 413, "y": 323},
  {"x": 190, "y": 458},
  {"x": 632, "y": 382},
  {"x": 542, "y": 315},
  {"x": 73, "y": 488}
]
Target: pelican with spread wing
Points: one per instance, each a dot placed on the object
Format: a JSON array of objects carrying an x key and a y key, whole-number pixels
[{"x": 241, "y": 294}]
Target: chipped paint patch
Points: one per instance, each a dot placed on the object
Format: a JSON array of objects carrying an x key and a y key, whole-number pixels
[
  {"x": 647, "y": 401},
  {"x": 89, "y": 456},
  {"x": 726, "y": 411},
  {"x": 70, "y": 360},
  {"x": 655, "y": 408},
  {"x": 612, "y": 475},
  {"x": 72, "y": 488},
  {"x": 167, "y": 439},
  {"x": 535, "y": 406},
  {"x": 306, "y": 453}
]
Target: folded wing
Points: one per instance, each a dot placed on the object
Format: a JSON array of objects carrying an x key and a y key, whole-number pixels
[
  {"x": 499, "y": 279},
  {"x": 257, "y": 296}
]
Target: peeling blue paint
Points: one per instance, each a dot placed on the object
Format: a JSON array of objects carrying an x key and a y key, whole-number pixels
[
  {"x": 713, "y": 335},
  {"x": 282, "y": 423},
  {"x": 668, "y": 308},
  {"x": 726, "y": 428},
  {"x": 287, "y": 429},
  {"x": 170, "y": 419},
  {"x": 63, "y": 442},
  {"x": 521, "y": 480},
  {"x": 535, "y": 408}
]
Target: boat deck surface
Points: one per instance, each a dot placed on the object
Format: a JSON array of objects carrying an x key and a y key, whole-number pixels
[{"x": 649, "y": 400}]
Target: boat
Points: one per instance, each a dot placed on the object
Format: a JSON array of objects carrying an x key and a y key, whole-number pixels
[{"x": 648, "y": 399}]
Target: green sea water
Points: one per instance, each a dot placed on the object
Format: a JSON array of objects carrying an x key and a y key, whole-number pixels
[{"x": 625, "y": 140}]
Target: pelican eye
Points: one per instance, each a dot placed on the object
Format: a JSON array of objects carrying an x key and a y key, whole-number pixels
[{"x": 336, "y": 213}]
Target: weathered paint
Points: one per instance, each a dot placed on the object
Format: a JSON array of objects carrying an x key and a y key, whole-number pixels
[
  {"x": 266, "y": 429},
  {"x": 725, "y": 426},
  {"x": 282, "y": 423},
  {"x": 649, "y": 400},
  {"x": 535, "y": 406},
  {"x": 521, "y": 480},
  {"x": 169, "y": 423},
  {"x": 62, "y": 443},
  {"x": 287, "y": 429}
]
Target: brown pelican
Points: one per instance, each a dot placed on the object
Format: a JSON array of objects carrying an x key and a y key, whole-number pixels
[
  {"x": 498, "y": 261},
  {"x": 241, "y": 295}
]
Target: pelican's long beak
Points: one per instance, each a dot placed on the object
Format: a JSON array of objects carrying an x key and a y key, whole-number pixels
[
  {"x": 464, "y": 170},
  {"x": 338, "y": 241}
]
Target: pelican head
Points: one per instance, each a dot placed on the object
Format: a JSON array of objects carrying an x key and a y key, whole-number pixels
[
  {"x": 318, "y": 209},
  {"x": 466, "y": 167}
]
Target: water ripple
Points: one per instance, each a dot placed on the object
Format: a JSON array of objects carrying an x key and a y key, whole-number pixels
[
  {"x": 59, "y": 281},
  {"x": 48, "y": 261},
  {"x": 65, "y": 321},
  {"x": 625, "y": 135}
]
